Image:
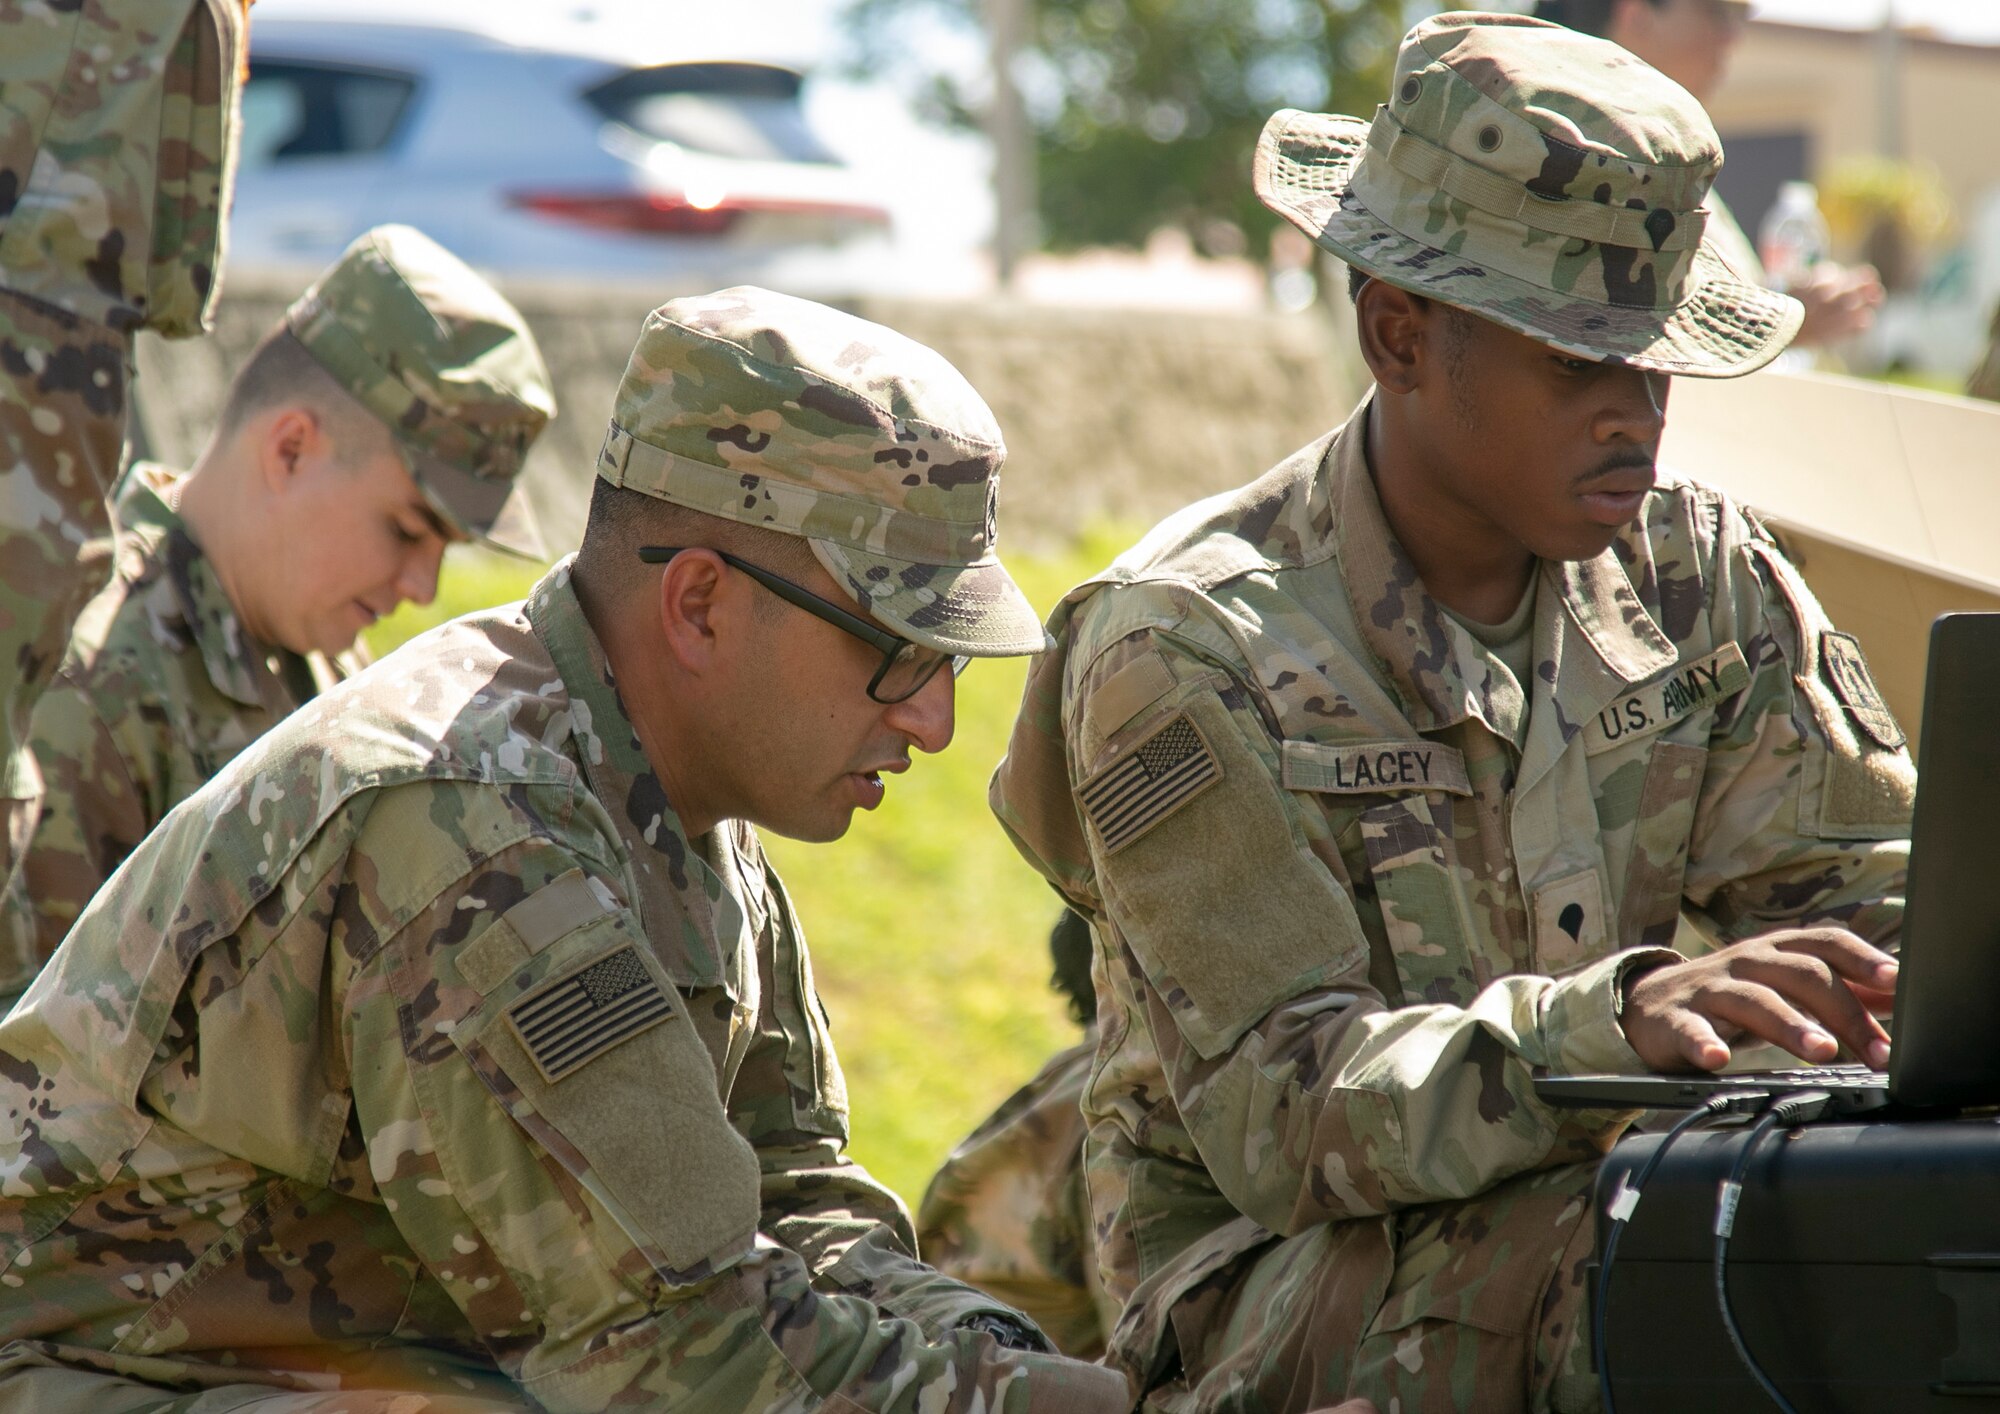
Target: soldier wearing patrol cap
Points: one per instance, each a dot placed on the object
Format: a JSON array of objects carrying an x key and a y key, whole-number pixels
[
  {"x": 1389, "y": 779},
  {"x": 117, "y": 149},
  {"x": 458, "y": 1040},
  {"x": 386, "y": 415}
]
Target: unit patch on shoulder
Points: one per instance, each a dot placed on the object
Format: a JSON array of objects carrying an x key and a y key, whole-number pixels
[
  {"x": 1690, "y": 687},
  {"x": 1847, "y": 670},
  {"x": 1149, "y": 782},
  {"x": 568, "y": 1023}
]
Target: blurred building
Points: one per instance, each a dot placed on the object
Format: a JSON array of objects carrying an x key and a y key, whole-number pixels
[{"x": 1801, "y": 96}]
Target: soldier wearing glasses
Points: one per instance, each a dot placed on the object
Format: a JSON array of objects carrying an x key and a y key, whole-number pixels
[{"x": 457, "y": 1039}]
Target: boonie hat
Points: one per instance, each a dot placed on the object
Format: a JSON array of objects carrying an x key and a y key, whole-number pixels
[
  {"x": 778, "y": 412},
  {"x": 447, "y": 363},
  {"x": 1540, "y": 178}
]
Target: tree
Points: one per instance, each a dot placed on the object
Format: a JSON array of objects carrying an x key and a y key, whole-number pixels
[{"x": 1146, "y": 112}]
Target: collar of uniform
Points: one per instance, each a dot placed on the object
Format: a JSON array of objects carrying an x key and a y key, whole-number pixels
[
  {"x": 1441, "y": 671},
  {"x": 235, "y": 663},
  {"x": 675, "y": 878}
]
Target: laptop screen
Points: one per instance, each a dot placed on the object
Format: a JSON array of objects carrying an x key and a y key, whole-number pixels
[{"x": 1946, "y": 1049}]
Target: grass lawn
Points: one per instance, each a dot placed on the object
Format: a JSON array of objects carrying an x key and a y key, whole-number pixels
[{"x": 929, "y": 934}]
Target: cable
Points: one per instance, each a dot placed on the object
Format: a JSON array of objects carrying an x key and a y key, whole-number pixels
[
  {"x": 1626, "y": 1201},
  {"x": 1790, "y": 1110}
]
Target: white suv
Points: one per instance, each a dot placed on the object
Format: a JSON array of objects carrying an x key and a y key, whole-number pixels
[{"x": 555, "y": 159}]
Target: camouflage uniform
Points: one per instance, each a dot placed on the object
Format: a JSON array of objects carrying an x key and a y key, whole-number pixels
[
  {"x": 1354, "y": 880},
  {"x": 422, "y": 1049},
  {"x": 117, "y": 145},
  {"x": 160, "y": 689},
  {"x": 160, "y": 685},
  {"x": 1009, "y": 1214}
]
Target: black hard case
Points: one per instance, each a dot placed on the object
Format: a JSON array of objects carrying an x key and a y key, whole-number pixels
[{"x": 1864, "y": 1270}]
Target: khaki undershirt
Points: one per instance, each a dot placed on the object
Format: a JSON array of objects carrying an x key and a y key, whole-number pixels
[{"x": 1512, "y": 642}]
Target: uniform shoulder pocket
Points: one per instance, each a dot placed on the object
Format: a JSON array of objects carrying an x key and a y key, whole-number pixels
[
  {"x": 581, "y": 1038},
  {"x": 1857, "y": 781},
  {"x": 1206, "y": 874}
]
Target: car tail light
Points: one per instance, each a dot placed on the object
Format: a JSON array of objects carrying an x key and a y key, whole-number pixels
[{"x": 655, "y": 214}]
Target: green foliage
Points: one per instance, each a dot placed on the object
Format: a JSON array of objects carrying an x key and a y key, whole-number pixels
[
  {"x": 473, "y": 577},
  {"x": 929, "y": 934},
  {"x": 1146, "y": 112}
]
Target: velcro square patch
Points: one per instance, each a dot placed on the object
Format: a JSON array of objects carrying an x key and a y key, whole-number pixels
[
  {"x": 1148, "y": 783},
  {"x": 1847, "y": 670},
  {"x": 570, "y": 1022}
]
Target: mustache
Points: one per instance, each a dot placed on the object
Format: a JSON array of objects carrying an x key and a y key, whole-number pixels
[{"x": 1633, "y": 460}]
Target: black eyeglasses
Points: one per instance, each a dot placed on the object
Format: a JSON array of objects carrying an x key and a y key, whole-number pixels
[{"x": 906, "y": 666}]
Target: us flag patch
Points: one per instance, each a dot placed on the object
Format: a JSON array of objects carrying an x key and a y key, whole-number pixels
[
  {"x": 1148, "y": 783},
  {"x": 572, "y": 1022}
]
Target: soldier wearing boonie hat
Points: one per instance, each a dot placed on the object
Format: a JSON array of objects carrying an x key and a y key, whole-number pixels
[
  {"x": 1389, "y": 780},
  {"x": 500, "y": 1006},
  {"x": 1558, "y": 212},
  {"x": 389, "y": 412}
]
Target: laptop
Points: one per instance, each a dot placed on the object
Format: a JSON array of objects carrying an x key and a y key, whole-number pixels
[{"x": 1945, "y": 1052}]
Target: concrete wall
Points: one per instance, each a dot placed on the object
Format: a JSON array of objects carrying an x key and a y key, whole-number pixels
[{"x": 1108, "y": 415}]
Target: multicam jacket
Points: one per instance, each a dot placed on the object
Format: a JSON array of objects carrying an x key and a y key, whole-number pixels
[
  {"x": 421, "y": 1047},
  {"x": 117, "y": 148},
  {"x": 1353, "y": 883},
  {"x": 1008, "y": 1212},
  {"x": 160, "y": 688}
]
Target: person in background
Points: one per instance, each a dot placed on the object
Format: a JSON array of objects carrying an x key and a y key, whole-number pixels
[
  {"x": 387, "y": 414},
  {"x": 117, "y": 152},
  {"x": 1008, "y": 1212},
  {"x": 1690, "y": 42}
]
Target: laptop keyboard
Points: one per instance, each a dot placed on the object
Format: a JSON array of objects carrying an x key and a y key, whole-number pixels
[{"x": 1805, "y": 1077}]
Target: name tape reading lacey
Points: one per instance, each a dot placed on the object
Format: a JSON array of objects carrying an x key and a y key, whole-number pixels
[{"x": 1365, "y": 766}]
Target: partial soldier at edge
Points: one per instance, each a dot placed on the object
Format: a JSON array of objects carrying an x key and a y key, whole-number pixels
[
  {"x": 387, "y": 414},
  {"x": 117, "y": 150},
  {"x": 1007, "y": 1211}
]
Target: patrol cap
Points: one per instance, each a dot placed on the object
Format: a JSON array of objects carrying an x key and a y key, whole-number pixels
[
  {"x": 778, "y": 412},
  {"x": 1540, "y": 178},
  {"x": 447, "y": 363}
]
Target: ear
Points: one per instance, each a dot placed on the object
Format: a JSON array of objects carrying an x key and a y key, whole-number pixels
[
  {"x": 700, "y": 610},
  {"x": 289, "y": 444},
  {"x": 1394, "y": 327}
]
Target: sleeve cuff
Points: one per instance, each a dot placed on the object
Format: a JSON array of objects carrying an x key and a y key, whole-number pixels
[
  {"x": 901, "y": 1286},
  {"x": 1580, "y": 1030}
]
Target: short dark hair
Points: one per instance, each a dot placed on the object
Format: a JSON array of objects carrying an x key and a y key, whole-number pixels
[
  {"x": 1583, "y": 16},
  {"x": 621, "y": 519},
  {"x": 280, "y": 372}
]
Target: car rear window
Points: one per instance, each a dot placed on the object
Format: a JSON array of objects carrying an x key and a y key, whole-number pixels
[
  {"x": 747, "y": 111},
  {"x": 293, "y": 110}
]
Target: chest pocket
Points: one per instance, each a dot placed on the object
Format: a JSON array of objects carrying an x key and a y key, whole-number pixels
[
  {"x": 1405, "y": 842},
  {"x": 1425, "y": 920},
  {"x": 583, "y": 1040}
]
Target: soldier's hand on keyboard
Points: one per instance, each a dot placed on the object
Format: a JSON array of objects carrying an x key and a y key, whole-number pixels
[{"x": 1809, "y": 990}]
